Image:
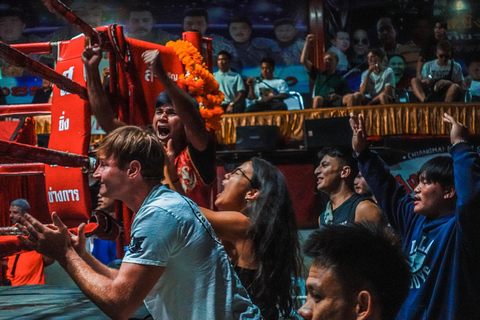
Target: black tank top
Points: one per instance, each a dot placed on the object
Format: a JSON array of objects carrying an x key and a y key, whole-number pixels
[
  {"x": 344, "y": 213},
  {"x": 246, "y": 278}
]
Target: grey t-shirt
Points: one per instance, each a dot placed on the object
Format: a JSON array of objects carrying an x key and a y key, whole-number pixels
[{"x": 198, "y": 281}]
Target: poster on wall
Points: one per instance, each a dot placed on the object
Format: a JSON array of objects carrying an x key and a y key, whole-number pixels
[
  {"x": 397, "y": 27},
  {"x": 249, "y": 30}
]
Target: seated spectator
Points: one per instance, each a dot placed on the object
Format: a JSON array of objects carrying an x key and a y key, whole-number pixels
[
  {"x": 287, "y": 38},
  {"x": 231, "y": 84},
  {"x": 473, "y": 78},
  {"x": 428, "y": 51},
  {"x": 140, "y": 25},
  {"x": 43, "y": 94},
  {"x": 266, "y": 92},
  {"x": 346, "y": 280},
  {"x": 26, "y": 267},
  {"x": 402, "y": 79},
  {"x": 329, "y": 87},
  {"x": 377, "y": 85},
  {"x": 441, "y": 79},
  {"x": 340, "y": 45}
]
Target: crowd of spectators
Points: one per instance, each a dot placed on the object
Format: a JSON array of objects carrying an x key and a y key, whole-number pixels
[
  {"x": 349, "y": 52},
  {"x": 257, "y": 214}
]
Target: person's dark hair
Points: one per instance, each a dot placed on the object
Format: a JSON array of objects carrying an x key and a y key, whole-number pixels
[
  {"x": 442, "y": 22},
  {"x": 226, "y": 54},
  {"x": 345, "y": 155},
  {"x": 243, "y": 19},
  {"x": 473, "y": 57},
  {"x": 363, "y": 256},
  {"x": 274, "y": 235},
  {"x": 377, "y": 52},
  {"x": 196, "y": 12},
  {"x": 13, "y": 11},
  {"x": 163, "y": 99},
  {"x": 438, "y": 170},
  {"x": 268, "y": 60},
  {"x": 22, "y": 204},
  {"x": 340, "y": 30},
  {"x": 129, "y": 143},
  {"x": 283, "y": 21},
  {"x": 446, "y": 46},
  {"x": 140, "y": 8},
  {"x": 333, "y": 54}
]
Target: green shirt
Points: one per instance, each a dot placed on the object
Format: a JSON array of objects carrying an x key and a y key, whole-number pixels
[{"x": 328, "y": 84}]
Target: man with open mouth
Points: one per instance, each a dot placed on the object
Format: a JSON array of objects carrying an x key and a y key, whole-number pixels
[{"x": 177, "y": 123}]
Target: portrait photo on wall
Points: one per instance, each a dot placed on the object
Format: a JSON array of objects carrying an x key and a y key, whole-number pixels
[{"x": 249, "y": 30}]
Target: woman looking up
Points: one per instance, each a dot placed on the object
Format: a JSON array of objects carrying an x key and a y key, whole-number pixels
[{"x": 256, "y": 222}]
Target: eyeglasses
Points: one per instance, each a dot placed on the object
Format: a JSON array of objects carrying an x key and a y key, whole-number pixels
[
  {"x": 243, "y": 174},
  {"x": 358, "y": 41}
]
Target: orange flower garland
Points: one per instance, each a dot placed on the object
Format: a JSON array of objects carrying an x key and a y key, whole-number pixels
[{"x": 200, "y": 83}]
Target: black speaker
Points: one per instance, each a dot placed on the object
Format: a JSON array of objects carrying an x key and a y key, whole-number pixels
[
  {"x": 264, "y": 138},
  {"x": 42, "y": 139},
  {"x": 327, "y": 132}
]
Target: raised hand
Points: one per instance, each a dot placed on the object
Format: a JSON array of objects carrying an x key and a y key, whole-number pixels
[
  {"x": 359, "y": 137},
  {"x": 153, "y": 59},
  {"x": 91, "y": 56},
  {"x": 310, "y": 38},
  {"x": 250, "y": 81},
  {"x": 459, "y": 132}
]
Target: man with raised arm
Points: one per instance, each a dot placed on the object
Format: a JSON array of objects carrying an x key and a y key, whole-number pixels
[
  {"x": 438, "y": 225},
  {"x": 329, "y": 87},
  {"x": 176, "y": 122},
  {"x": 174, "y": 263}
]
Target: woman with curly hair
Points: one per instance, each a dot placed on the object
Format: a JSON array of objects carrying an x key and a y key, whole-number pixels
[{"x": 256, "y": 222}]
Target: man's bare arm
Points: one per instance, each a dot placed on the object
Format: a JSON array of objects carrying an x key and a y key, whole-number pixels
[
  {"x": 250, "y": 82},
  {"x": 363, "y": 86},
  {"x": 304, "y": 58},
  {"x": 118, "y": 297},
  {"x": 185, "y": 106},
  {"x": 101, "y": 107},
  {"x": 79, "y": 244}
]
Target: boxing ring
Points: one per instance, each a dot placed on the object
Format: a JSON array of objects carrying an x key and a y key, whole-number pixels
[{"x": 56, "y": 178}]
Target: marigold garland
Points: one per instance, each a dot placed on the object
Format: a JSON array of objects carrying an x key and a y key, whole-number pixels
[{"x": 200, "y": 83}]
